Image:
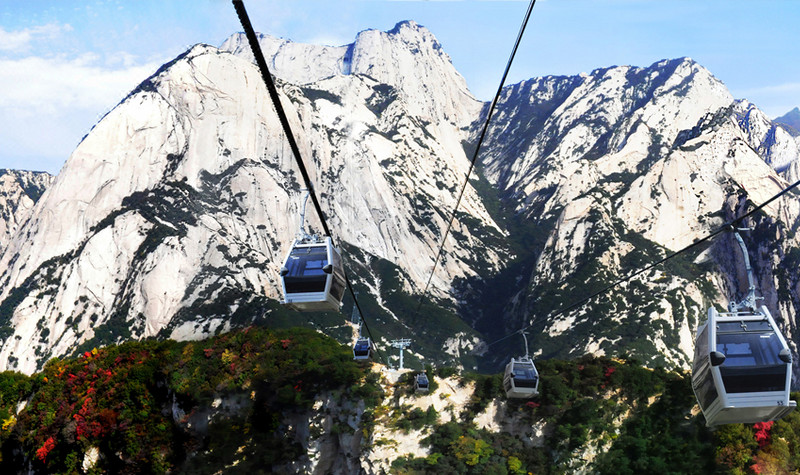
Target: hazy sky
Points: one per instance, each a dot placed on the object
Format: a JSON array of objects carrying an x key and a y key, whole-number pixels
[{"x": 65, "y": 63}]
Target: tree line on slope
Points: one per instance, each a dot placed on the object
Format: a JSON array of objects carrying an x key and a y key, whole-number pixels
[{"x": 223, "y": 403}]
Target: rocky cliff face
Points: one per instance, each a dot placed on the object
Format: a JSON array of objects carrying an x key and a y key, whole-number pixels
[
  {"x": 179, "y": 206},
  {"x": 19, "y": 191},
  {"x": 173, "y": 215},
  {"x": 617, "y": 168}
]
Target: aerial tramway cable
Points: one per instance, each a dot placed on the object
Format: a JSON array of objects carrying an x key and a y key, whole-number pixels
[
  {"x": 724, "y": 228},
  {"x": 478, "y": 147},
  {"x": 244, "y": 19}
]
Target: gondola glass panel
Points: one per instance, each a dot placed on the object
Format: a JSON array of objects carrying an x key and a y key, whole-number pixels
[{"x": 746, "y": 379}]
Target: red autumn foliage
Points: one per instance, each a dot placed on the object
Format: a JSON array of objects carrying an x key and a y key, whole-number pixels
[
  {"x": 609, "y": 371},
  {"x": 45, "y": 449},
  {"x": 208, "y": 352},
  {"x": 762, "y": 433},
  {"x": 285, "y": 343}
]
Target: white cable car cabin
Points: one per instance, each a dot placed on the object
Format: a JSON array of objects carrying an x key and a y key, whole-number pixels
[
  {"x": 362, "y": 350},
  {"x": 742, "y": 367},
  {"x": 521, "y": 380},
  {"x": 312, "y": 276},
  {"x": 746, "y": 376},
  {"x": 421, "y": 383}
]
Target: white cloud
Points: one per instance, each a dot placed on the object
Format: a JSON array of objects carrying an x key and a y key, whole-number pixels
[
  {"x": 48, "y": 104},
  {"x": 14, "y": 40},
  {"x": 21, "y": 40},
  {"x": 57, "y": 85}
]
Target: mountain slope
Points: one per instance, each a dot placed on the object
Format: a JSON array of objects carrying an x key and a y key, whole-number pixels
[
  {"x": 173, "y": 216},
  {"x": 609, "y": 172},
  {"x": 293, "y": 401},
  {"x": 791, "y": 120},
  {"x": 19, "y": 191}
]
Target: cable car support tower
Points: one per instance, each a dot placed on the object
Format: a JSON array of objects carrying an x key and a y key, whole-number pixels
[{"x": 401, "y": 344}]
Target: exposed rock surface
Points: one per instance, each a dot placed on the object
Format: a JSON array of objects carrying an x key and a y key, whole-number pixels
[
  {"x": 19, "y": 191},
  {"x": 179, "y": 206},
  {"x": 618, "y": 168},
  {"x": 173, "y": 215}
]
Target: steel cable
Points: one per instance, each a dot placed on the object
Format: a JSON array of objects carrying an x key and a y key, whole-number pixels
[
  {"x": 724, "y": 228},
  {"x": 252, "y": 39},
  {"x": 477, "y": 149}
]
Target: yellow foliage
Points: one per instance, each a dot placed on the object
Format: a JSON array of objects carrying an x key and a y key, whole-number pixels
[
  {"x": 515, "y": 465},
  {"x": 228, "y": 356},
  {"x": 471, "y": 451},
  {"x": 188, "y": 350},
  {"x": 9, "y": 423}
]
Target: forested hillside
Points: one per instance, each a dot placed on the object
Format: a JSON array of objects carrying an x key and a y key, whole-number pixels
[{"x": 293, "y": 401}]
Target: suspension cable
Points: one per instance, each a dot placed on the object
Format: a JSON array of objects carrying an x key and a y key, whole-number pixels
[
  {"x": 725, "y": 227},
  {"x": 478, "y": 148},
  {"x": 252, "y": 39}
]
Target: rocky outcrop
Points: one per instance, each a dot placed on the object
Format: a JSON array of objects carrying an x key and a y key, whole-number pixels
[
  {"x": 172, "y": 217},
  {"x": 619, "y": 168},
  {"x": 19, "y": 191},
  {"x": 179, "y": 206}
]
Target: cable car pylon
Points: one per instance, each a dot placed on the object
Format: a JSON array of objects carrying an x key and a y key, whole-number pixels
[{"x": 401, "y": 344}]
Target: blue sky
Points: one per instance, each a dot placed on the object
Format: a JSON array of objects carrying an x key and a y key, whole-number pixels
[{"x": 65, "y": 63}]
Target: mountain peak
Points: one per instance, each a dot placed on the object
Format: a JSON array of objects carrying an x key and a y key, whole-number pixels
[
  {"x": 411, "y": 24},
  {"x": 410, "y": 29},
  {"x": 790, "y": 121},
  {"x": 408, "y": 58}
]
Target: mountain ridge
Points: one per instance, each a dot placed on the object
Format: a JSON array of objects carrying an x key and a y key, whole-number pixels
[
  {"x": 187, "y": 199},
  {"x": 791, "y": 120}
]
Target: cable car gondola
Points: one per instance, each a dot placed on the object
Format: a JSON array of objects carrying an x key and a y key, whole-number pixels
[
  {"x": 742, "y": 367},
  {"x": 362, "y": 350},
  {"x": 312, "y": 276},
  {"x": 521, "y": 380},
  {"x": 421, "y": 383}
]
